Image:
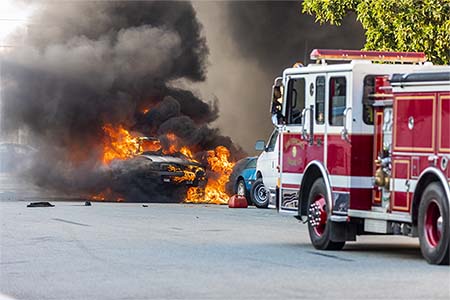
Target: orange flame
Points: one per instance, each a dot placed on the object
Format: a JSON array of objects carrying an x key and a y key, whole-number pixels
[
  {"x": 214, "y": 192},
  {"x": 187, "y": 152},
  {"x": 188, "y": 173},
  {"x": 173, "y": 147},
  {"x": 119, "y": 144},
  {"x": 106, "y": 195}
]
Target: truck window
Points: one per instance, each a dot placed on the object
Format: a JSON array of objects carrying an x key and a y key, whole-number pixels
[
  {"x": 295, "y": 100},
  {"x": 272, "y": 141},
  {"x": 320, "y": 100},
  {"x": 367, "y": 101},
  {"x": 338, "y": 95}
]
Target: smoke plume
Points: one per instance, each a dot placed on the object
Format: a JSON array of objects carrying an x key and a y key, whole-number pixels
[
  {"x": 251, "y": 42},
  {"x": 278, "y": 34},
  {"x": 86, "y": 64}
]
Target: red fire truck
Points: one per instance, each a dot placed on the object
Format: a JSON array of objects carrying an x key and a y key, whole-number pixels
[{"x": 365, "y": 148}]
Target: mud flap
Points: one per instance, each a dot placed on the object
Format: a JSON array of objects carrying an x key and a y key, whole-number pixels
[{"x": 342, "y": 231}]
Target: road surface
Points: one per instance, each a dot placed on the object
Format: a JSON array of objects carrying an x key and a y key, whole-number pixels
[{"x": 178, "y": 251}]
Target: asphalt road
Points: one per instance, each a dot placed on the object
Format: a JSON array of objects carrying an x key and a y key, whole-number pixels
[{"x": 177, "y": 251}]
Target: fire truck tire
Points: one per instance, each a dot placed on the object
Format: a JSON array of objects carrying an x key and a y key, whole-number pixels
[
  {"x": 259, "y": 194},
  {"x": 318, "y": 225},
  {"x": 434, "y": 226}
]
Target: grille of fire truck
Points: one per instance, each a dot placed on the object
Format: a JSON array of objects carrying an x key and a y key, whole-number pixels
[{"x": 322, "y": 55}]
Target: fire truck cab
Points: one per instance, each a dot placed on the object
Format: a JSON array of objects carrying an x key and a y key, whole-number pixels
[{"x": 365, "y": 148}]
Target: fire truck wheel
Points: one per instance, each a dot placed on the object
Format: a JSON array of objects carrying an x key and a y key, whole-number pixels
[
  {"x": 318, "y": 225},
  {"x": 434, "y": 227},
  {"x": 259, "y": 194}
]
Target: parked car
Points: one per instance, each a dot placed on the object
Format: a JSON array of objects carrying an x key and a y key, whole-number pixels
[
  {"x": 242, "y": 178},
  {"x": 263, "y": 192}
]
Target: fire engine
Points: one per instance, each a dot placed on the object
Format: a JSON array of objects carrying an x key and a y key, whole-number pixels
[{"x": 365, "y": 148}]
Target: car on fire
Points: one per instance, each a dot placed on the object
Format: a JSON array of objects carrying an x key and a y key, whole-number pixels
[
  {"x": 156, "y": 173},
  {"x": 171, "y": 169}
]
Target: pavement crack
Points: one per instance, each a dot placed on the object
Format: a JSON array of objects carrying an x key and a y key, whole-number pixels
[{"x": 70, "y": 222}]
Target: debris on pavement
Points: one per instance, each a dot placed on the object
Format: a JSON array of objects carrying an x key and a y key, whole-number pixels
[
  {"x": 87, "y": 203},
  {"x": 40, "y": 204}
]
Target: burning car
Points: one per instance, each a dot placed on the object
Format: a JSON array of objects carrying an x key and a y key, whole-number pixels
[
  {"x": 150, "y": 174},
  {"x": 147, "y": 169},
  {"x": 168, "y": 169}
]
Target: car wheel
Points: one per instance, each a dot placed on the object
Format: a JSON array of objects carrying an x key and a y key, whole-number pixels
[
  {"x": 434, "y": 227},
  {"x": 259, "y": 194},
  {"x": 240, "y": 188},
  {"x": 318, "y": 225}
]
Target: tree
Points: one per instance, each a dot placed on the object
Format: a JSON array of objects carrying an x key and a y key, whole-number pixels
[{"x": 395, "y": 25}]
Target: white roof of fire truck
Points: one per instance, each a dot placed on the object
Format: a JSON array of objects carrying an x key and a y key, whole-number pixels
[
  {"x": 436, "y": 80},
  {"x": 365, "y": 62}
]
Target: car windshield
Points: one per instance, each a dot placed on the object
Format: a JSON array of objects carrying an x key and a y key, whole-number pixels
[{"x": 251, "y": 164}]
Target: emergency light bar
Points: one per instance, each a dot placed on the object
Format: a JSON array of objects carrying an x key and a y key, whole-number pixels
[{"x": 329, "y": 54}]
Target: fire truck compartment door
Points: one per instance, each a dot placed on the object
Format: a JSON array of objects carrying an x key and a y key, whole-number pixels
[{"x": 414, "y": 116}]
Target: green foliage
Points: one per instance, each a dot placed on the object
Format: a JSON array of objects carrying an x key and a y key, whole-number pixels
[{"x": 395, "y": 25}]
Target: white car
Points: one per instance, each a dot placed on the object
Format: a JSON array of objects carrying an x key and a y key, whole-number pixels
[{"x": 263, "y": 192}]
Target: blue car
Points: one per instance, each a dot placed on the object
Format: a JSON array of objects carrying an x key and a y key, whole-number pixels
[{"x": 242, "y": 177}]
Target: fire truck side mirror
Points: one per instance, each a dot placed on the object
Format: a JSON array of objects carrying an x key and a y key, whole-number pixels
[{"x": 260, "y": 145}]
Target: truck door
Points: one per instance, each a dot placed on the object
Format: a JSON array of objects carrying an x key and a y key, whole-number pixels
[
  {"x": 293, "y": 143},
  {"x": 339, "y": 119}
]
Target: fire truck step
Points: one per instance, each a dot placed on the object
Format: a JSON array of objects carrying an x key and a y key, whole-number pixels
[{"x": 335, "y": 218}]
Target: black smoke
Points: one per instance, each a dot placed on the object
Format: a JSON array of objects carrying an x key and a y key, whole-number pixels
[
  {"x": 85, "y": 64},
  {"x": 277, "y": 34}
]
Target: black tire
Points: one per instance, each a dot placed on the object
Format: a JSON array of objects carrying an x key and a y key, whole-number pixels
[
  {"x": 241, "y": 190},
  {"x": 321, "y": 240},
  {"x": 434, "y": 239},
  {"x": 259, "y": 194}
]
